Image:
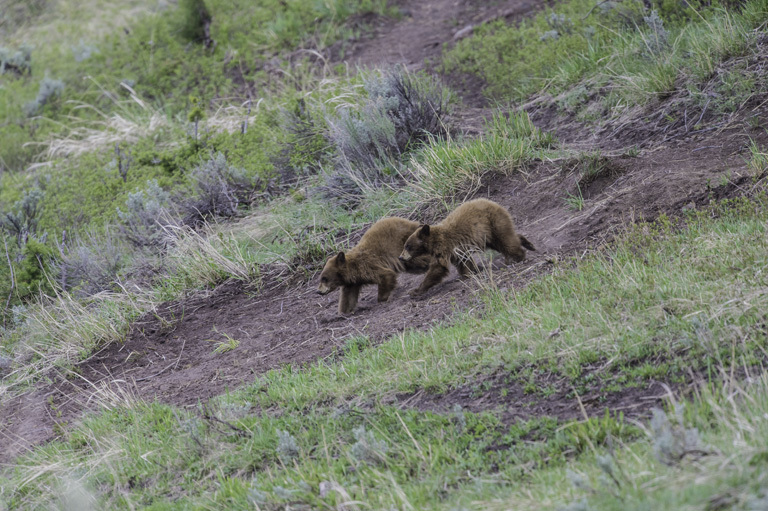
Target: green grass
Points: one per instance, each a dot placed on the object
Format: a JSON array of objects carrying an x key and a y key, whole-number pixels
[
  {"x": 688, "y": 300},
  {"x": 450, "y": 171},
  {"x": 610, "y": 51}
]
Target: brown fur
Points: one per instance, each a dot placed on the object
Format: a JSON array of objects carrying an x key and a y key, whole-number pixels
[
  {"x": 373, "y": 261},
  {"x": 475, "y": 224}
]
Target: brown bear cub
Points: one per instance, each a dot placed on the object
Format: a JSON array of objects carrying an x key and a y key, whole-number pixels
[
  {"x": 475, "y": 224},
  {"x": 373, "y": 261}
]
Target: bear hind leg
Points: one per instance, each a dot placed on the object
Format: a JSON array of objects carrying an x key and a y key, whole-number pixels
[
  {"x": 387, "y": 284},
  {"x": 505, "y": 241}
]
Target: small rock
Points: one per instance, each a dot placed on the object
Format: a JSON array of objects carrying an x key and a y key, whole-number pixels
[{"x": 464, "y": 32}]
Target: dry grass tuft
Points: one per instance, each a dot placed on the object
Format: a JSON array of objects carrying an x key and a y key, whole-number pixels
[{"x": 132, "y": 120}]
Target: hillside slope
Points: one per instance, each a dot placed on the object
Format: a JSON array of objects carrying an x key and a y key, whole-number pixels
[{"x": 600, "y": 373}]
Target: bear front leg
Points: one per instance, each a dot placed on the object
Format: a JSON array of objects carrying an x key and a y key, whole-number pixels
[
  {"x": 348, "y": 299},
  {"x": 387, "y": 284},
  {"x": 436, "y": 273}
]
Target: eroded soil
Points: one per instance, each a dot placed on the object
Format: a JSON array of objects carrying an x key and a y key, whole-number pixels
[{"x": 169, "y": 354}]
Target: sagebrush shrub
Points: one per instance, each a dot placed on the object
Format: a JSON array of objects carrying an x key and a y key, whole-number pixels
[
  {"x": 21, "y": 222},
  {"x": 146, "y": 211},
  {"x": 16, "y": 61},
  {"x": 367, "y": 449},
  {"x": 657, "y": 40},
  {"x": 287, "y": 447},
  {"x": 400, "y": 112},
  {"x": 90, "y": 264},
  {"x": 49, "y": 89},
  {"x": 672, "y": 441},
  {"x": 83, "y": 52},
  {"x": 219, "y": 189}
]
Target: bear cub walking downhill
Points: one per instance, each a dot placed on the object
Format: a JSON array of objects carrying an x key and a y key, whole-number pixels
[
  {"x": 479, "y": 223},
  {"x": 373, "y": 261}
]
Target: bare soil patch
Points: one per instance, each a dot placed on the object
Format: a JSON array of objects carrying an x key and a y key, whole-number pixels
[{"x": 512, "y": 402}]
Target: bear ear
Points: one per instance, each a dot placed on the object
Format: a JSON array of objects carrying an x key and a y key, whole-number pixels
[
  {"x": 341, "y": 258},
  {"x": 424, "y": 231}
]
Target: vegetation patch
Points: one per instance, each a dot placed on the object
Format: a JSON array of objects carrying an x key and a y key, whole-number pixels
[{"x": 625, "y": 52}]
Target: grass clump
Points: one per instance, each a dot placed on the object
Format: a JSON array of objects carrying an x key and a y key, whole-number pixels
[
  {"x": 625, "y": 51},
  {"x": 449, "y": 171}
]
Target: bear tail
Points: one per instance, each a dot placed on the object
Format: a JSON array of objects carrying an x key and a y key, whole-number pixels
[{"x": 525, "y": 243}]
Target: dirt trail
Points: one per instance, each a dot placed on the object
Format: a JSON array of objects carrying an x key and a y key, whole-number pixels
[
  {"x": 417, "y": 39},
  {"x": 169, "y": 354}
]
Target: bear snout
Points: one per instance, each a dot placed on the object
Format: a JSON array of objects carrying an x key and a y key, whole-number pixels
[{"x": 405, "y": 257}]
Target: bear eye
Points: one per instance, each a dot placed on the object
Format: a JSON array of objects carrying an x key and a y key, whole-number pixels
[
  {"x": 408, "y": 248},
  {"x": 323, "y": 279}
]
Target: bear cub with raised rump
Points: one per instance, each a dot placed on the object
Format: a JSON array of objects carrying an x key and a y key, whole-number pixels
[
  {"x": 479, "y": 223},
  {"x": 374, "y": 260}
]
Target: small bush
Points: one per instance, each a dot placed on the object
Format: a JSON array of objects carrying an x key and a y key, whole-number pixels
[
  {"x": 219, "y": 190},
  {"x": 657, "y": 40},
  {"x": 22, "y": 221},
  {"x": 671, "y": 441},
  {"x": 83, "y": 52},
  {"x": 18, "y": 61},
  {"x": 307, "y": 148},
  {"x": 401, "y": 112},
  {"x": 367, "y": 449},
  {"x": 196, "y": 22},
  {"x": 560, "y": 24},
  {"x": 49, "y": 89},
  {"x": 90, "y": 265},
  {"x": 287, "y": 448},
  {"x": 32, "y": 274},
  {"x": 146, "y": 211}
]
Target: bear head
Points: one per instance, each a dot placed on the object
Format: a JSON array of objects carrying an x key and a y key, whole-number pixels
[
  {"x": 332, "y": 276},
  {"x": 417, "y": 244}
]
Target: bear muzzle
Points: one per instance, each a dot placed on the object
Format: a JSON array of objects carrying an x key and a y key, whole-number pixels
[
  {"x": 323, "y": 289},
  {"x": 405, "y": 256}
]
